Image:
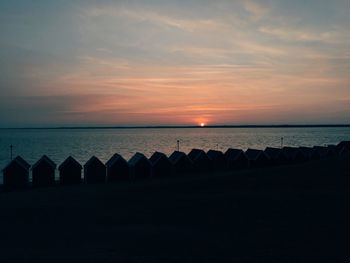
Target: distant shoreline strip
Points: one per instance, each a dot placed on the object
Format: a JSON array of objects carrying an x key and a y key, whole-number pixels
[{"x": 179, "y": 127}]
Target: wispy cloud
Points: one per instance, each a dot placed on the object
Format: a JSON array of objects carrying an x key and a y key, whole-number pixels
[
  {"x": 152, "y": 17},
  {"x": 256, "y": 9},
  {"x": 289, "y": 34}
]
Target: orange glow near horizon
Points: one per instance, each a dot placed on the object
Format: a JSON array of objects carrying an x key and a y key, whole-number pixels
[
  {"x": 201, "y": 121},
  {"x": 174, "y": 95}
]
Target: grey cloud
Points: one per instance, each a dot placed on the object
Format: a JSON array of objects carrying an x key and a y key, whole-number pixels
[{"x": 52, "y": 110}]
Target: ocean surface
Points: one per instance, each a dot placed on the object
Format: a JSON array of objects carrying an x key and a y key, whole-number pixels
[{"x": 58, "y": 144}]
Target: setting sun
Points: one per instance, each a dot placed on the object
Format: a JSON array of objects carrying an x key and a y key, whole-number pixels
[{"x": 202, "y": 124}]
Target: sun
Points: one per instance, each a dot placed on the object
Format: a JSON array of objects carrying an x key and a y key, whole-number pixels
[{"x": 200, "y": 122}]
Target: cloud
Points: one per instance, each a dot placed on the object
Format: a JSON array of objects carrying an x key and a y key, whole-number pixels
[
  {"x": 63, "y": 109},
  {"x": 290, "y": 34},
  {"x": 257, "y": 10},
  {"x": 173, "y": 21}
]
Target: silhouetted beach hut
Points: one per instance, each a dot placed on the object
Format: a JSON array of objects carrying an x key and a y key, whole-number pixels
[
  {"x": 217, "y": 159},
  {"x": 344, "y": 151},
  {"x": 294, "y": 155},
  {"x": 117, "y": 169},
  {"x": 333, "y": 148},
  {"x": 43, "y": 172},
  {"x": 140, "y": 167},
  {"x": 257, "y": 158},
  {"x": 276, "y": 156},
  {"x": 324, "y": 152},
  {"x": 200, "y": 160},
  {"x": 161, "y": 165},
  {"x": 181, "y": 162},
  {"x": 70, "y": 171},
  {"x": 236, "y": 159},
  {"x": 16, "y": 174},
  {"x": 343, "y": 144},
  {"x": 94, "y": 171},
  {"x": 309, "y": 153}
]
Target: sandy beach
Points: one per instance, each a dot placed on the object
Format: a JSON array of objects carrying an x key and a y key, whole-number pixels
[{"x": 294, "y": 213}]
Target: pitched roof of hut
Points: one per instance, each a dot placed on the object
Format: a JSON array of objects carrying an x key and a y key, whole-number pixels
[
  {"x": 233, "y": 153},
  {"x": 136, "y": 158},
  {"x": 18, "y": 160},
  {"x": 254, "y": 154},
  {"x": 116, "y": 157},
  {"x": 69, "y": 160},
  {"x": 344, "y": 151},
  {"x": 93, "y": 161},
  {"x": 214, "y": 154},
  {"x": 273, "y": 153},
  {"x": 343, "y": 144},
  {"x": 156, "y": 156},
  {"x": 45, "y": 159},
  {"x": 195, "y": 153},
  {"x": 176, "y": 156}
]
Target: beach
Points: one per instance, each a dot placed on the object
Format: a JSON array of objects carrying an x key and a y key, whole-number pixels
[{"x": 296, "y": 213}]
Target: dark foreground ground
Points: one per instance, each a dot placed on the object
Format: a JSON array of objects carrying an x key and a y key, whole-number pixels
[{"x": 284, "y": 214}]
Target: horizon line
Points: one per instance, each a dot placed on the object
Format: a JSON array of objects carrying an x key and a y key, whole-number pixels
[{"x": 186, "y": 126}]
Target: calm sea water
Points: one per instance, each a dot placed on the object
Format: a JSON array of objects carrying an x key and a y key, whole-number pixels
[{"x": 31, "y": 144}]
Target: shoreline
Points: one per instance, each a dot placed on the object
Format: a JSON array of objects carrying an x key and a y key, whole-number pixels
[{"x": 182, "y": 127}]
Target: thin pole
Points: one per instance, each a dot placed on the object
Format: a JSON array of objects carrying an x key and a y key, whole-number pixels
[
  {"x": 217, "y": 147},
  {"x": 11, "y": 147},
  {"x": 281, "y": 142},
  {"x": 178, "y": 145}
]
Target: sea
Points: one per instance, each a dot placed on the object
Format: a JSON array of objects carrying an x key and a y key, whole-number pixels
[{"x": 58, "y": 144}]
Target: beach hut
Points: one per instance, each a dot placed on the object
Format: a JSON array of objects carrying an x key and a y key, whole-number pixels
[
  {"x": 181, "y": 163},
  {"x": 217, "y": 159},
  {"x": 236, "y": 159},
  {"x": 200, "y": 160},
  {"x": 140, "y": 167},
  {"x": 117, "y": 169},
  {"x": 16, "y": 174},
  {"x": 94, "y": 171},
  {"x": 343, "y": 144},
  {"x": 324, "y": 152},
  {"x": 294, "y": 155},
  {"x": 43, "y": 172},
  {"x": 161, "y": 165},
  {"x": 344, "y": 151},
  {"x": 276, "y": 156},
  {"x": 333, "y": 149},
  {"x": 257, "y": 158},
  {"x": 70, "y": 171},
  {"x": 309, "y": 153}
]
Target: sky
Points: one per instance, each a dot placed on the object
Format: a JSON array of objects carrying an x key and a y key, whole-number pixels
[{"x": 176, "y": 62}]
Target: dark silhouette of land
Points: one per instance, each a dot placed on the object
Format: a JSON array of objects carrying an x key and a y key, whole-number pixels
[
  {"x": 185, "y": 126},
  {"x": 295, "y": 213}
]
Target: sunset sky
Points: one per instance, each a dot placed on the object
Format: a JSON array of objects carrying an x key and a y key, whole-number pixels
[{"x": 178, "y": 62}]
